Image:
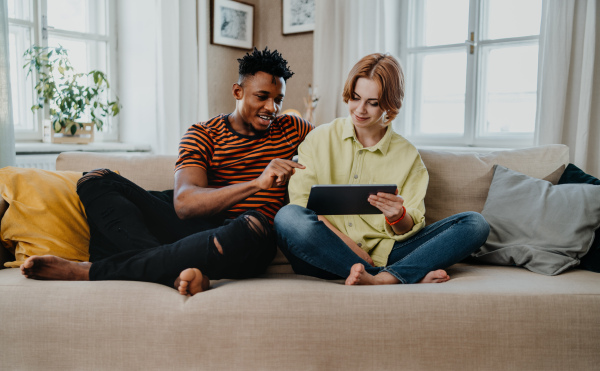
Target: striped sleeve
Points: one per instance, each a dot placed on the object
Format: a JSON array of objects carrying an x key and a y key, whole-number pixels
[
  {"x": 196, "y": 148},
  {"x": 302, "y": 126}
]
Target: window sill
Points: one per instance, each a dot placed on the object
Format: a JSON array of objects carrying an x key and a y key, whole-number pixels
[
  {"x": 462, "y": 148},
  {"x": 37, "y": 148}
]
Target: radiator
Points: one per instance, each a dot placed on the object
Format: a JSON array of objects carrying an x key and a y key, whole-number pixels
[{"x": 46, "y": 162}]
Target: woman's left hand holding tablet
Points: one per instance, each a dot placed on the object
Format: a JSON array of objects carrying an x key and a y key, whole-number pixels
[{"x": 391, "y": 205}]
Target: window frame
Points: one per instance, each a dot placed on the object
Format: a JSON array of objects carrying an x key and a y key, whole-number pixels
[
  {"x": 40, "y": 31},
  {"x": 474, "y": 84}
]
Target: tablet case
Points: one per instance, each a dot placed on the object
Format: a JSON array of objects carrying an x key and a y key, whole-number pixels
[{"x": 345, "y": 199}]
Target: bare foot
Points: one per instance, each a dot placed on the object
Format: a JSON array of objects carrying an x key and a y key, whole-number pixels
[
  {"x": 438, "y": 276},
  {"x": 191, "y": 281},
  {"x": 359, "y": 276},
  {"x": 50, "y": 267}
]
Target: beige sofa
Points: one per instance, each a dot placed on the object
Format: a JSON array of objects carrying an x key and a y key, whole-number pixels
[{"x": 485, "y": 318}]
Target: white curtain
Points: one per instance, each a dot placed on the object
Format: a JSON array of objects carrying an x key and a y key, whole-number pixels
[
  {"x": 346, "y": 31},
  {"x": 569, "y": 80},
  {"x": 7, "y": 134},
  {"x": 162, "y": 69}
]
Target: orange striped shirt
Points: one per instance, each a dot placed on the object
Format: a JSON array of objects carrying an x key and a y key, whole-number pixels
[{"x": 231, "y": 158}]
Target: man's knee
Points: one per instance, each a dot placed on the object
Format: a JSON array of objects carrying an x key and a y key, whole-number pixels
[
  {"x": 256, "y": 225},
  {"x": 94, "y": 174}
]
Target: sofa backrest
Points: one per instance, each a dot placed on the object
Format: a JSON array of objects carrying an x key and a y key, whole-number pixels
[
  {"x": 458, "y": 181},
  {"x": 151, "y": 172}
]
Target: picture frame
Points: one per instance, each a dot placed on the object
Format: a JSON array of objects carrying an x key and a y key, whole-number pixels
[
  {"x": 298, "y": 16},
  {"x": 232, "y": 24}
]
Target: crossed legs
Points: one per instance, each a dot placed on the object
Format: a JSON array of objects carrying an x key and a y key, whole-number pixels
[{"x": 420, "y": 259}]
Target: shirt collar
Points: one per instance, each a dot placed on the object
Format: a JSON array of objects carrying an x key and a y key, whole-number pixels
[{"x": 383, "y": 145}]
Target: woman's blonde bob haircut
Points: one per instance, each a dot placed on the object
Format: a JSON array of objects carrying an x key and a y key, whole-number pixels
[{"x": 386, "y": 71}]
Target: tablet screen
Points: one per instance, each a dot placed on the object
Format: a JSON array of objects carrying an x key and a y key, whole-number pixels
[{"x": 345, "y": 199}]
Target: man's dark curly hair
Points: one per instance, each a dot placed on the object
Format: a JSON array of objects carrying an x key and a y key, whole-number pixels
[{"x": 267, "y": 61}]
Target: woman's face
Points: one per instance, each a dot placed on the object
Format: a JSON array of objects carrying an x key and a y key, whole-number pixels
[{"x": 364, "y": 105}]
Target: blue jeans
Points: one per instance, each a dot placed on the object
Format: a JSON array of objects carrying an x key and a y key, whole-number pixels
[{"x": 314, "y": 250}]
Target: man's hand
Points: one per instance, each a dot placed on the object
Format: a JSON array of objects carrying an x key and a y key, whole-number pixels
[{"x": 277, "y": 173}]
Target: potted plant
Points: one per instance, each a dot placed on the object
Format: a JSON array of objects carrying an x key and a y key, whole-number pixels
[{"x": 76, "y": 101}]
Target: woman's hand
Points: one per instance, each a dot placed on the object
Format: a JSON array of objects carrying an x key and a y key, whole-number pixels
[{"x": 391, "y": 205}]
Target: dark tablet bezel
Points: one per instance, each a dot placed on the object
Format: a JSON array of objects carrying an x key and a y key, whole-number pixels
[{"x": 345, "y": 199}]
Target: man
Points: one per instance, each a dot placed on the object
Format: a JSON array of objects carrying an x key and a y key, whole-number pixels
[{"x": 230, "y": 181}]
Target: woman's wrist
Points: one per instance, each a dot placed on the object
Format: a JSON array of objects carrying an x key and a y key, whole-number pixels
[{"x": 391, "y": 223}]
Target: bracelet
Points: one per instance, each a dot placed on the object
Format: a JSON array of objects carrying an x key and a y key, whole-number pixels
[{"x": 402, "y": 217}]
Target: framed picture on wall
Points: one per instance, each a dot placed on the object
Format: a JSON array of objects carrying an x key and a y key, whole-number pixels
[
  {"x": 298, "y": 16},
  {"x": 232, "y": 24}
]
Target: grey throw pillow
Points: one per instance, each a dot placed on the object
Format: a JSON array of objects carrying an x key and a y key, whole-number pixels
[{"x": 543, "y": 227}]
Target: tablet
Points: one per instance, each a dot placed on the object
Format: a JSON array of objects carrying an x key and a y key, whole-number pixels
[{"x": 345, "y": 199}]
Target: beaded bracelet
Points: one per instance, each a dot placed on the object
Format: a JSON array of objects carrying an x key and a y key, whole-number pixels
[{"x": 402, "y": 217}]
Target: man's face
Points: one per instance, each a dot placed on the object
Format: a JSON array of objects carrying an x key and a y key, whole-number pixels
[{"x": 259, "y": 100}]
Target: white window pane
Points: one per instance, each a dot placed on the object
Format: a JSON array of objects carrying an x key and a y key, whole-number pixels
[
  {"x": 87, "y": 16},
  {"x": 441, "y": 102},
  {"x": 512, "y": 18},
  {"x": 510, "y": 89},
  {"x": 85, "y": 55},
  {"x": 20, "y": 9},
  {"x": 21, "y": 86},
  {"x": 444, "y": 22}
]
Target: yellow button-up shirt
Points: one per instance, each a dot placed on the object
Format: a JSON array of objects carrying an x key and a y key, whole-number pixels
[{"x": 333, "y": 155}]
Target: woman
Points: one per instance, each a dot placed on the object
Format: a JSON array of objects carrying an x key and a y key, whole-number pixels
[{"x": 388, "y": 248}]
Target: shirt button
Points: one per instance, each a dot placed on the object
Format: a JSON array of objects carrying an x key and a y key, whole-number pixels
[
  {"x": 355, "y": 176},
  {"x": 359, "y": 244},
  {"x": 349, "y": 224}
]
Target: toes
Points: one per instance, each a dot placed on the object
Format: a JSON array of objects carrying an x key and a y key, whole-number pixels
[
  {"x": 188, "y": 274},
  {"x": 27, "y": 264}
]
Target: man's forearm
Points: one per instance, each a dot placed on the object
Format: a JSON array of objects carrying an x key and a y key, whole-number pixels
[{"x": 203, "y": 202}]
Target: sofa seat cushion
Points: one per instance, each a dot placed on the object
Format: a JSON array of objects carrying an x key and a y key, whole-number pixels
[{"x": 482, "y": 317}]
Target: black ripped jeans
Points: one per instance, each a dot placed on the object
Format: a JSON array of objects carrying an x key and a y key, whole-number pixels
[{"x": 136, "y": 235}]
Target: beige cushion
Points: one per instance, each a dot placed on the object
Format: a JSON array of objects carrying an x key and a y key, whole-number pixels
[{"x": 459, "y": 181}]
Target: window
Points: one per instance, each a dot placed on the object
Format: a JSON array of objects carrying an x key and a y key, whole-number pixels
[
  {"x": 84, "y": 27},
  {"x": 471, "y": 72}
]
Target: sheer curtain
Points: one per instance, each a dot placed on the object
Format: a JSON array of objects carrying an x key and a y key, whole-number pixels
[
  {"x": 346, "y": 31},
  {"x": 7, "y": 135},
  {"x": 569, "y": 80},
  {"x": 162, "y": 69}
]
